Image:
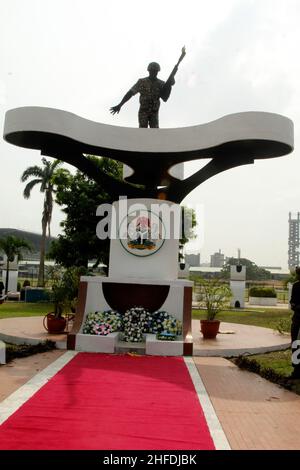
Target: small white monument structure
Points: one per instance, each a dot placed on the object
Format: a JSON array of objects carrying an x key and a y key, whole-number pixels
[
  {"x": 13, "y": 274},
  {"x": 238, "y": 285}
]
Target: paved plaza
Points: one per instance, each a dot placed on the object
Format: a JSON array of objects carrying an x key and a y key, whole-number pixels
[{"x": 252, "y": 412}]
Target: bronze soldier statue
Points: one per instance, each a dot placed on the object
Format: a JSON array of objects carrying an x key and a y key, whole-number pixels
[{"x": 151, "y": 89}]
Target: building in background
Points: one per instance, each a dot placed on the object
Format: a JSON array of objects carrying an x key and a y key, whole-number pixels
[
  {"x": 217, "y": 260},
  {"x": 294, "y": 242},
  {"x": 192, "y": 259}
]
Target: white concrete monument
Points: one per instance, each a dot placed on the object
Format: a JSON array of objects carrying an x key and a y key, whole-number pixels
[
  {"x": 238, "y": 285},
  {"x": 143, "y": 267}
]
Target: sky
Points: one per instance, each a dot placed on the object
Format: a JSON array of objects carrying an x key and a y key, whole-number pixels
[{"x": 82, "y": 56}]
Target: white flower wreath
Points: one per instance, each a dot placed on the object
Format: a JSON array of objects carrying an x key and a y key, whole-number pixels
[{"x": 135, "y": 322}]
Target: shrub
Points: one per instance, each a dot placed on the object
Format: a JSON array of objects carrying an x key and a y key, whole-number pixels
[
  {"x": 14, "y": 351},
  {"x": 262, "y": 292},
  {"x": 283, "y": 325}
]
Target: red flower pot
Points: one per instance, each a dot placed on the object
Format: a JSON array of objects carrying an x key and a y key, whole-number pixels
[
  {"x": 53, "y": 324},
  {"x": 209, "y": 328}
]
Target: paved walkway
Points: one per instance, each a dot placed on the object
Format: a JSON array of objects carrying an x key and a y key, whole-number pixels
[
  {"x": 17, "y": 372},
  {"x": 238, "y": 339},
  {"x": 254, "y": 413},
  {"x": 245, "y": 339}
]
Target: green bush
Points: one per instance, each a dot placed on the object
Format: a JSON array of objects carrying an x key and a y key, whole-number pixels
[
  {"x": 284, "y": 325},
  {"x": 14, "y": 351},
  {"x": 262, "y": 292}
]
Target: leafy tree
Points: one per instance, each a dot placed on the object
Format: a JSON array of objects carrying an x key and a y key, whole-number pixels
[
  {"x": 79, "y": 197},
  {"x": 43, "y": 176},
  {"x": 253, "y": 272},
  {"x": 12, "y": 246}
]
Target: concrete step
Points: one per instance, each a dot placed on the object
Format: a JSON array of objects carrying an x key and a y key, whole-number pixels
[{"x": 123, "y": 347}]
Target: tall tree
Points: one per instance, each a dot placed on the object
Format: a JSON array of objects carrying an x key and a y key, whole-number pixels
[
  {"x": 79, "y": 196},
  {"x": 43, "y": 176},
  {"x": 253, "y": 272},
  {"x": 12, "y": 246}
]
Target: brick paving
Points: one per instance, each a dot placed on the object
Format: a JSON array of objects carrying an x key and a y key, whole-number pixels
[
  {"x": 245, "y": 338},
  {"x": 17, "y": 372},
  {"x": 254, "y": 413}
]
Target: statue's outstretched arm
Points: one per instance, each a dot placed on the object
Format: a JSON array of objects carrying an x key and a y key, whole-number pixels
[{"x": 116, "y": 109}]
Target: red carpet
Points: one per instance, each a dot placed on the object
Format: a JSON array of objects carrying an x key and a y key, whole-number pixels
[{"x": 100, "y": 401}]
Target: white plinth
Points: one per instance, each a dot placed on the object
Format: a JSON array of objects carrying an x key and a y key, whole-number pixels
[
  {"x": 267, "y": 301},
  {"x": 97, "y": 343},
  {"x": 2, "y": 353},
  {"x": 176, "y": 301},
  {"x": 156, "y": 347}
]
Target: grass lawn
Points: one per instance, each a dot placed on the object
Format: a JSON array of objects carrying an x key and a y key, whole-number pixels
[
  {"x": 273, "y": 366},
  {"x": 22, "y": 309},
  {"x": 267, "y": 317}
]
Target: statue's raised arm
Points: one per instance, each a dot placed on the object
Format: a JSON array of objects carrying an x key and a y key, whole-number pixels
[{"x": 171, "y": 80}]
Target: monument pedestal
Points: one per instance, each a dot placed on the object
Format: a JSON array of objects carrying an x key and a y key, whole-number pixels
[{"x": 105, "y": 293}]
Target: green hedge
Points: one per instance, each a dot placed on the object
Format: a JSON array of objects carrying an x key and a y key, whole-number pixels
[
  {"x": 262, "y": 292},
  {"x": 14, "y": 351}
]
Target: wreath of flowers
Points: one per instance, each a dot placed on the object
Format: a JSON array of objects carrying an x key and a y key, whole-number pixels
[
  {"x": 163, "y": 321},
  {"x": 136, "y": 322},
  {"x": 111, "y": 318},
  {"x": 172, "y": 326}
]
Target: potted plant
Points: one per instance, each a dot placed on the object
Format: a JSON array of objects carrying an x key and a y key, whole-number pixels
[
  {"x": 55, "y": 322},
  {"x": 215, "y": 296},
  {"x": 64, "y": 296}
]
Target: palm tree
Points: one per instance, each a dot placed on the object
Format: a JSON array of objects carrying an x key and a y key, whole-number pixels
[
  {"x": 12, "y": 246},
  {"x": 43, "y": 176}
]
